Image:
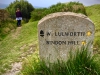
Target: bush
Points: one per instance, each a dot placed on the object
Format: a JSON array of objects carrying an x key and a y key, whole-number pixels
[
  {"x": 37, "y": 14},
  {"x": 59, "y": 7},
  {"x": 6, "y": 27},
  {"x": 82, "y": 63},
  {"x": 76, "y": 7},
  {"x": 4, "y": 16}
]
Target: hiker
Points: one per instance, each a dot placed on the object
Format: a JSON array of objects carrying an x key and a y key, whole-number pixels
[{"x": 18, "y": 17}]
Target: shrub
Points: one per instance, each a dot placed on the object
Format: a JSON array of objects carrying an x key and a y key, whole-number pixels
[
  {"x": 4, "y": 16},
  {"x": 76, "y": 7},
  {"x": 59, "y": 7},
  {"x": 37, "y": 14},
  {"x": 6, "y": 27}
]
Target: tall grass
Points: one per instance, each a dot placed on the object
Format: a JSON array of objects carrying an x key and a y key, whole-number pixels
[
  {"x": 93, "y": 13},
  {"x": 82, "y": 63}
]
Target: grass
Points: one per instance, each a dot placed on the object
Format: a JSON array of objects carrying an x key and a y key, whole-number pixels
[
  {"x": 79, "y": 64},
  {"x": 16, "y": 43},
  {"x": 93, "y": 13}
]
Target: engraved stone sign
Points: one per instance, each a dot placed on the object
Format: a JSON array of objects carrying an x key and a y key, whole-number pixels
[{"x": 60, "y": 32}]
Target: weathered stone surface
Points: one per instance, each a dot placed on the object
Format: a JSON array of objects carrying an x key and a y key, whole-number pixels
[{"x": 58, "y": 33}]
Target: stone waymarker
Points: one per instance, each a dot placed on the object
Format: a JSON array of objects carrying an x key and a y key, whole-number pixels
[{"x": 61, "y": 32}]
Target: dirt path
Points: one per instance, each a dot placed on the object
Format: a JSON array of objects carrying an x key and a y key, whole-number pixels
[
  {"x": 16, "y": 33},
  {"x": 16, "y": 67}
]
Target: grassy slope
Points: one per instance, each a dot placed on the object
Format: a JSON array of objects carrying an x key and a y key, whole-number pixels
[
  {"x": 94, "y": 14},
  {"x": 17, "y": 42}
]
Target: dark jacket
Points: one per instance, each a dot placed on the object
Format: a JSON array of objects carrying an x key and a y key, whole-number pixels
[{"x": 18, "y": 14}]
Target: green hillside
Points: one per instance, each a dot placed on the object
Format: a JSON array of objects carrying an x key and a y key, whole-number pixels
[
  {"x": 22, "y": 39},
  {"x": 93, "y": 13}
]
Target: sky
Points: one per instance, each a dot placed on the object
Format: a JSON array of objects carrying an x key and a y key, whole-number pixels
[{"x": 47, "y": 3}]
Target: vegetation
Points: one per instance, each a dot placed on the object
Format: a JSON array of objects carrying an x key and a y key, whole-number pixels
[
  {"x": 6, "y": 24},
  {"x": 37, "y": 14},
  {"x": 6, "y": 29},
  {"x": 79, "y": 64},
  {"x": 93, "y": 13},
  {"x": 17, "y": 45},
  {"x": 77, "y": 7},
  {"x": 24, "y": 6}
]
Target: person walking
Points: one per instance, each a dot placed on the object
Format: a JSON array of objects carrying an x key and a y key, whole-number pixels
[{"x": 18, "y": 17}]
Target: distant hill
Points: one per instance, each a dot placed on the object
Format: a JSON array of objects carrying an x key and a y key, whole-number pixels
[{"x": 3, "y": 6}]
